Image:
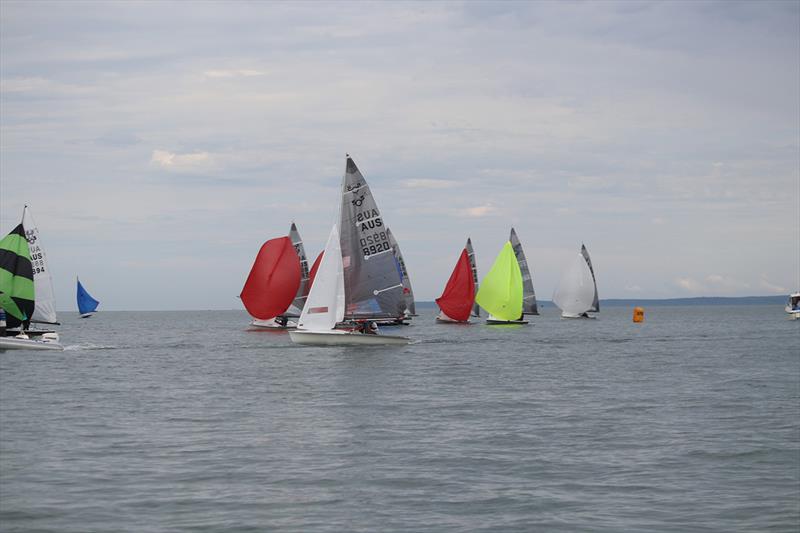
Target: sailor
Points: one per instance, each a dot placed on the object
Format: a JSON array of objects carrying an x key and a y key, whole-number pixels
[{"x": 373, "y": 328}]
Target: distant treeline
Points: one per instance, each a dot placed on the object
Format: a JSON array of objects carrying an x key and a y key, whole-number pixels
[{"x": 703, "y": 300}]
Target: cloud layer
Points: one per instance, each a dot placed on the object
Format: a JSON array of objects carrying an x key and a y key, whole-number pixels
[{"x": 664, "y": 135}]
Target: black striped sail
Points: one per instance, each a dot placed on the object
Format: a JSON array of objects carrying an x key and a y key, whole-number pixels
[
  {"x": 373, "y": 288},
  {"x": 16, "y": 278},
  {"x": 476, "y": 309},
  {"x": 596, "y": 303},
  {"x": 529, "y": 306},
  {"x": 302, "y": 292}
]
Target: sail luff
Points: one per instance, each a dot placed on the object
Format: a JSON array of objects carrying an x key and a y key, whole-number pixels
[{"x": 529, "y": 306}]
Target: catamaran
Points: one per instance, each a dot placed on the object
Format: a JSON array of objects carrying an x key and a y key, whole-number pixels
[
  {"x": 87, "y": 306},
  {"x": 26, "y": 290},
  {"x": 576, "y": 293},
  {"x": 458, "y": 299},
  {"x": 277, "y": 286},
  {"x": 501, "y": 291}
]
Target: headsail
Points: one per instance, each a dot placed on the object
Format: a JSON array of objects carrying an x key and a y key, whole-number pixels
[
  {"x": 476, "y": 309},
  {"x": 459, "y": 294},
  {"x": 501, "y": 291},
  {"x": 16, "y": 278},
  {"x": 408, "y": 292},
  {"x": 529, "y": 306},
  {"x": 86, "y": 304},
  {"x": 302, "y": 290},
  {"x": 374, "y": 288},
  {"x": 575, "y": 290},
  {"x": 45, "y": 311},
  {"x": 326, "y": 300},
  {"x": 596, "y": 303},
  {"x": 273, "y": 280}
]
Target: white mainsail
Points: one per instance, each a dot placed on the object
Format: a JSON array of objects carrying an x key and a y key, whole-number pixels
[
  {"x": 325, "y": 303},
  {"x": 45, "y": 310},
  {"x": 575, "y": 291}
]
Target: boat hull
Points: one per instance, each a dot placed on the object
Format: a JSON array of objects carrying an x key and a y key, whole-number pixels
[
  {"x": 13, "y": 343},
  {"x": 344, "y": 338},
  {"x": 497, "y": 322},
  {"x": 794, "y": 314},
  {"x": 583, "y": 316},
  {"x": 272, "y": 324}
]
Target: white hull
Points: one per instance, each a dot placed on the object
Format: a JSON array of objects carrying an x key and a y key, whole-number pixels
[
  {"x": 271, "y": 324},
  {"x": 14, "y": 343},
  {"x": 442, "y": 318},
  {"x": 794, "y": 314},
  {"x": 339, "y": 337},
  {"x": 583, "y": 316}
]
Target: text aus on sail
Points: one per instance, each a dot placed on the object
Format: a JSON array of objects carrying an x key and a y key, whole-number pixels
[{"x": 372, "y": 242}]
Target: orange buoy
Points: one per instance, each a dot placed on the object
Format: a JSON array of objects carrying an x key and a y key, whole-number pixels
[{"x": 638, "y": 314}]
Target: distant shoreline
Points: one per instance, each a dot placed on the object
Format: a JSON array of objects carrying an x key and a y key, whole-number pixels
[{"x": 700, "y": 300}]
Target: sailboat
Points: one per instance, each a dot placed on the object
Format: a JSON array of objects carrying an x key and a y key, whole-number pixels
[
  {"x": 458, "y": 298},
  {"x": 476, "y": 309},
  {"x": 26, "y": 293},
  {"x": 371, "y": 284},
  {"x": 576, "y": 293},
  {"x": 408, "y": 292},
  {"x": 595, "y": 308},
  {"x": 793, "y": 306},
  {"x": 501, "y": 289},
  {"x": 87, "y": 306},
  {"x": 325, "y": 306},
  {"x": 277, "y": 286},
  {"x": 529, "y": 306}
]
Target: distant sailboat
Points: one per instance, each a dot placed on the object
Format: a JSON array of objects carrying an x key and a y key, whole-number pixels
[
  {"x": 275, "y": 282},
  {"x": 501, "y": 289},
  {"x": 408, "y": 292},
  {"x": 476, "y": 309},
  {"x": 576, "y": 293},
  {"x": 595, "y": 308},
  {"x": 529, "y": 306},
  {"x": 87, "y": 305},
  {"x": 457, "y": 301}
]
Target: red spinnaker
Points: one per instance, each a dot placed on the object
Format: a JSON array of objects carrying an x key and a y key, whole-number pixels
[
  {"x": 273, "y": 280},
  {"x": 313, "y": 272},
  {"x": 459, "y": 294}
]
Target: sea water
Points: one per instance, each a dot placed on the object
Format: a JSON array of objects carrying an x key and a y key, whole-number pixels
[{"x": 186, "y": 421}]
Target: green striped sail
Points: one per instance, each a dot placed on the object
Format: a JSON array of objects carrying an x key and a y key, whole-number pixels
[
  {"x": 16, "y": 277},
  {"x": 500, "y": 292}
]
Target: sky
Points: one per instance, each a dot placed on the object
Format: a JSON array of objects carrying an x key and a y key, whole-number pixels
[{"x": 159, "y": 144}]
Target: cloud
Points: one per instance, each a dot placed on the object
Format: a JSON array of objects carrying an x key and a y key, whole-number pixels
[
  {"x": 179, "y": 162},
  {"x": 771, "y": 287},
  {"x": 478, "y": 211},
  {"x": 428, "y": 184}
]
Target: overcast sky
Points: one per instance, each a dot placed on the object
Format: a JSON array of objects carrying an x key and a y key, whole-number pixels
[{"x": 159, "y": 144}]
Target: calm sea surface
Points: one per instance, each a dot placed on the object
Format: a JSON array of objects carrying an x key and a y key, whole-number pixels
[{"x": 185, "y": 421}]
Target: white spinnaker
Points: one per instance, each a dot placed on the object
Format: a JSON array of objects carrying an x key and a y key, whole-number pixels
[
  {"x": 325, "y": 303},
  {"x": 45, "y": 310},
  {"x": 575, "y": 291}
]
